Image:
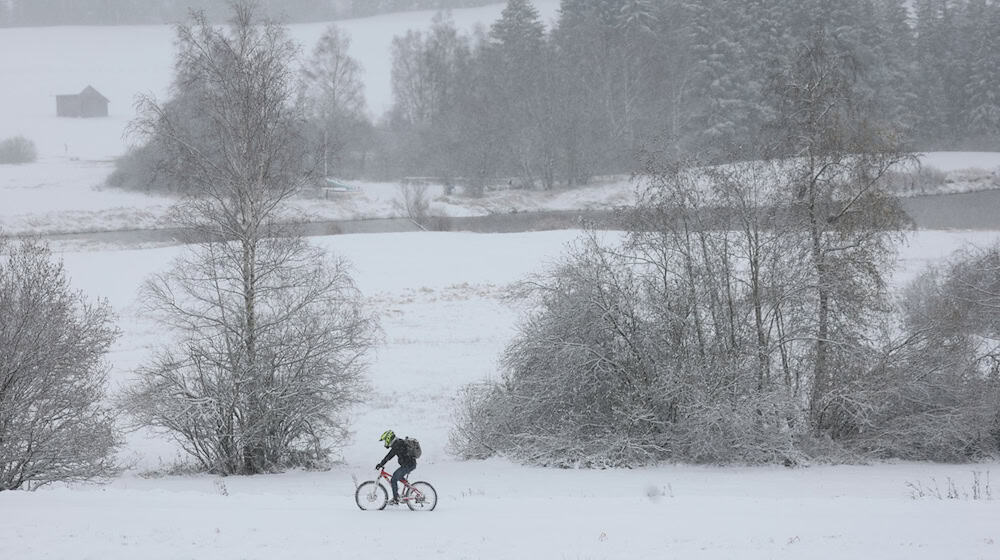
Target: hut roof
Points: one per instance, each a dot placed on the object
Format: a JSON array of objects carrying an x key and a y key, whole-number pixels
[{"x": 89, "y": 91}]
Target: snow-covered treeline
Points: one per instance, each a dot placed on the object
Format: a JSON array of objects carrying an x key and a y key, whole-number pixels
[
  {"x": 530, "y": 104},
  {"x": 561, "y": 106},
  {"x": 119, "y": 12}
]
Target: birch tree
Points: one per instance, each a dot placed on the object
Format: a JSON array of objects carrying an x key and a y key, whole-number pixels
[
  {"x": 334, "y": 98},
  {"x": 269, "y": 333},
  {"x": 836, "y": 155}
]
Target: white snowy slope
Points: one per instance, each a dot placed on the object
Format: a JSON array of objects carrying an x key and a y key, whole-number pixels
[{"x": 445, "y": 322}]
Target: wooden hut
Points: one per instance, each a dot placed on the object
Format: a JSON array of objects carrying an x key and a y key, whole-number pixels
[{"x": 87, "y": 103}]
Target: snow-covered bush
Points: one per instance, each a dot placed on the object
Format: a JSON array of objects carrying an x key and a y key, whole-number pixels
[
  {"x": 757, "y": 428},
  {"x": 576, "y": 390},
  {"x": 413, "y": 204},
  {"x": 609, "y": 372},
  {"x": 17, "y": 149},
  {"x": 916, "y": 180},
  {"x": 940, "y": 387},
  {"x": 53, "y": 425},
  {"x": 738, "y": 319},
  {"x": 746, "y": 313},
  {"x": 141, "y": 169}
]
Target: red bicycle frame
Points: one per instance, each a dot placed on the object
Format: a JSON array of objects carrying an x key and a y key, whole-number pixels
[{"x": 408, "y": 493}]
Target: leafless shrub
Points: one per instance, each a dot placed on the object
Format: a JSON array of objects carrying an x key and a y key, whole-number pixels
[
  {"x": 696, "y": 339},
  {"x": 606, "y": 374},
  {"x": 53, "y": 425},
  {"x": 576, "y": 390},
  {"x": 915, "y": 180},
  {"x": 254, "y": 390},
  {"x": 978, "y": 489},
  {"x": 413, "y": 204},
  {"x": 180, "y": 466},
  {"x": 17, "y": 149},
  {"x": 750, "y": 430},
  {"x": 939, "y": 388}
]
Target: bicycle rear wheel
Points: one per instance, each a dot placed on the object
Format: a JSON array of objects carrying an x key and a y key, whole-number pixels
[
  {"x": 371, "y": 496},
  {"x": 423, "y": 497}
]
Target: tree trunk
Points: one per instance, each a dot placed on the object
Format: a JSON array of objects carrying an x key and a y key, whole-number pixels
[{"x": 820, "y": 374}]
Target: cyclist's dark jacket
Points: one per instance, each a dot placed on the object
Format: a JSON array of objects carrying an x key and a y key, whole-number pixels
[{"x": 400, "y": 449}]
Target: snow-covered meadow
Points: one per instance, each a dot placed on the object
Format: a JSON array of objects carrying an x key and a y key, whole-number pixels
[
  {"x": 445, "y": 316},
  {"x": 445, "y": 319}
]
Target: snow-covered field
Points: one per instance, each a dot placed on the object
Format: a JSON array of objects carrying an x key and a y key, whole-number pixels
[
  {"x": 445, "y": 319},
  {"x": 440, "y": 299}
]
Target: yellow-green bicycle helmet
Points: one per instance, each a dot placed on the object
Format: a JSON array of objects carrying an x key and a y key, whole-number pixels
[{"x": 387, "y": 437}]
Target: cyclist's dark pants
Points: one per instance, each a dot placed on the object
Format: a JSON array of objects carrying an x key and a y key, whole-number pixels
[{"x": 401, "y": 472}]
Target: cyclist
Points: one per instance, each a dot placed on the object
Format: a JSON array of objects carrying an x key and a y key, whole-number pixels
[{"x": 407, "y": 463}]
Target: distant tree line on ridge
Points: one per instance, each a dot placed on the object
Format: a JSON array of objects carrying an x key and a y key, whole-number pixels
[
  {"x": 520, "y": 105},
  {"x": 27, "y": 13},
  {"x": 580, "y": 100}
]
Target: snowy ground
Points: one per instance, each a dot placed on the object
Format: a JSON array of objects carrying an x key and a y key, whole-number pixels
[
  {"x": 440, "y": 296},
  {"x": 492, "y": 511}
]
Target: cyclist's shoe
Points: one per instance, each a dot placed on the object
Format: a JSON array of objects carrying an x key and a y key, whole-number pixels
[{"x": 394, "y": 502}]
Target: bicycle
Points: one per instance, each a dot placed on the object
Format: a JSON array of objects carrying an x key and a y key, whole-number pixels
[{"x": 374, "y": 494}]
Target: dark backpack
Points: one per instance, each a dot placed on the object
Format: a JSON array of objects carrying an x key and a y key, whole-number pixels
[{"x": 412, "y": 447}]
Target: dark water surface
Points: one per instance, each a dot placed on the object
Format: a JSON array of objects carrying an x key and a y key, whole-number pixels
[{"x": 975, "y": 211}]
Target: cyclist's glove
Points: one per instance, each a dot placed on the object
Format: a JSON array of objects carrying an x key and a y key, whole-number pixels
[{"x": 378, "y": 467}]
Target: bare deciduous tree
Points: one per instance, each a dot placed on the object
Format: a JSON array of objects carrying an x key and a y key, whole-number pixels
[
  {"x": 255, "y": 383},
  {"x": 837, "y": 158},
  {"x": 424, "y": 71},
  {"x": 270, "y": 338},
  {"x": 333, "y": 94},
  {"x": 413, "y": 204},
  {"x": 53, "y": 424}
]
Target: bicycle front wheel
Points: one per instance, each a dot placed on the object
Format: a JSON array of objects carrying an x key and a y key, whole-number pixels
[
  {"x": 371, "y": 496},
  {"x": 423, "y": 497}
]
